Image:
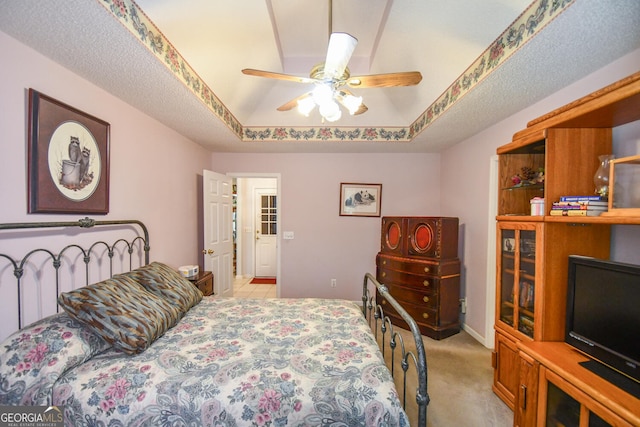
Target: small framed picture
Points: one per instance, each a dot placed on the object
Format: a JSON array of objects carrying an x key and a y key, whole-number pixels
[
  {"x": 360, "y": 199},
  {"x": 68, "y": 159},
  {"x": 508, "y": 245}
]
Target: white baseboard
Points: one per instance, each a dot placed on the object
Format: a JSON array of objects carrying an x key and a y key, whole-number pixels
[{"x": 477, "y": 336}]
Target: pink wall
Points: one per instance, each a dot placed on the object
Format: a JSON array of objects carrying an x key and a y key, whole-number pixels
[
  {"x": 155, "y": 173},
  {"x": 326, "y": 245}
]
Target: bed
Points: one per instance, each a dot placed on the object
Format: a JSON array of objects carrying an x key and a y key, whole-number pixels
[{"x": 144, "y": 347}]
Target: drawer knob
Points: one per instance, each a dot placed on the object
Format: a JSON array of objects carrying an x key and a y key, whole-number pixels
[
  {"x": 384, "y": 301},
  {"x": 426, "y": 269},
  {"x": 425, "y": 299},
  {"x": 384, "y": 274},
  {"x": 384, "y": 262},
  {"x": 425, "y": 315},
  {"x": 426, "y": 283}
]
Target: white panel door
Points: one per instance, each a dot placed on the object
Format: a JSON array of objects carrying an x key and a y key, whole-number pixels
[
  {"x": 266, "y": 220},
  {"x": 218, "y": 236}
]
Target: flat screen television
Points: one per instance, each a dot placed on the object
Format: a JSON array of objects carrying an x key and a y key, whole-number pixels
[{"x": 603, "y": 312}]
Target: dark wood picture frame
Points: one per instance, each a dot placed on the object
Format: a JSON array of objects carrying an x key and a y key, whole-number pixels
[
  {"x": 68, "y": 159},
  {"x": 360, "y": 199}
]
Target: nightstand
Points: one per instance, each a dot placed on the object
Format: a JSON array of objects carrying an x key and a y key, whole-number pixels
[{"x": 204, "y": 282}]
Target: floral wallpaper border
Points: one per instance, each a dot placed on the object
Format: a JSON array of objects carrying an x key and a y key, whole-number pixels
[{"x": 539, "y": 14}]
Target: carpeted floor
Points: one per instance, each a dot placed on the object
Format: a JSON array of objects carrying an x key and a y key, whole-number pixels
[
  {"x": 459, "y": 377},
  {"x": 459, "y": 385}
]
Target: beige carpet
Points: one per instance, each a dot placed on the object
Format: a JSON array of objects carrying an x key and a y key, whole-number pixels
[{"x": 459, "y": 384}]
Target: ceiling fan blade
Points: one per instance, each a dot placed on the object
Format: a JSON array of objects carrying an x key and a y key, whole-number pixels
[
  {"x": 408, "y": 78},
  {"x": 341, "y": 47},
  {"x": 293, "y": 103},
  {"x": 278, "y": 76},
  {"x": 363, "y": 109}
]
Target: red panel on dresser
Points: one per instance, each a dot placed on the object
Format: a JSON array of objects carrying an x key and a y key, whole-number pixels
[
  {"x": 393, "y": 235},
  {"x": 432, "y": 237}
]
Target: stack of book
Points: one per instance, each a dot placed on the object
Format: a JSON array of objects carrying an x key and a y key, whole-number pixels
[{"x": 580, "y": 206}]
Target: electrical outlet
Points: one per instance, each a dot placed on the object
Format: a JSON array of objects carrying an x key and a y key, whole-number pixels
[
  {"x": 333, "y": 283},
  {"x": 463, "y": 305}
]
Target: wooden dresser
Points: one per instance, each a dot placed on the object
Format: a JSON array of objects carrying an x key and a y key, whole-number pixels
[{"x": 418, "y": 262}]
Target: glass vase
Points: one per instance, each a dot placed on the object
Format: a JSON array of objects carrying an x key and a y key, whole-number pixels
[{"x": 601, "y": 178}]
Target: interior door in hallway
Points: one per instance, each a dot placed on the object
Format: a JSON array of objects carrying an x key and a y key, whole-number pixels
[
  {"x": 218, "y": 236},
  {"x": 266, "y": 217}
]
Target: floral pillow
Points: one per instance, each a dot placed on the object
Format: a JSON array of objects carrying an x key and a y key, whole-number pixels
[
  {"x": 167, "y": 283},
  {"x": 122, "y": 312},
  {"x": 33, "y": 358}
]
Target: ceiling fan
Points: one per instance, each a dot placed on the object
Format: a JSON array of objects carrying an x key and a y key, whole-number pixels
[{"x": 331, "y": 77}]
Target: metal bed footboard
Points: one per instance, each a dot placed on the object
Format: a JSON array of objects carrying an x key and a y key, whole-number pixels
[
  {"x": 138, "y": 242},
  {"x": 382, "y": 325}
]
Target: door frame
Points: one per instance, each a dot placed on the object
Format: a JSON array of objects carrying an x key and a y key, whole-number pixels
[
  {"x": 490, "y": 307},
  {"x": 278, "y": 179}
]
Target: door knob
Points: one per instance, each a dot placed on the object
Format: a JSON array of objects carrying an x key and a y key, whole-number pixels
[{"x": 208, "y": 251}]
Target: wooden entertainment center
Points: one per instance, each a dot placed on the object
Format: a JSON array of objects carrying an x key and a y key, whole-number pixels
[{"x": 533, "y": 367}]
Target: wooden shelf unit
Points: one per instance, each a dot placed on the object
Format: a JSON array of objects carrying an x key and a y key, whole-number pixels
[
  {"x": 559, "y": 363},
  {"x": 567, "y": 143}
]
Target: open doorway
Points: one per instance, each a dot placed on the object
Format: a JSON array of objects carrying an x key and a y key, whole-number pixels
[{"x": 256, "y": 217}]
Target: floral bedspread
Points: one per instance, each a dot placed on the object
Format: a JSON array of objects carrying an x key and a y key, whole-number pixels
[{"x": 242, "y": 362}]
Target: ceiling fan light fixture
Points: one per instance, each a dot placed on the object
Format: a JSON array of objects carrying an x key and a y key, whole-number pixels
[
  {"x": 352, "y": 103},
  {"x": 322, "y": 94},
  {"x": 306, "y": 105},
  {"x": 330, "y": 111}
]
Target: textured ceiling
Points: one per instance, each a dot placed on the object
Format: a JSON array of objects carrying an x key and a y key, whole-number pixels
[{"x": 218, "y": 38}]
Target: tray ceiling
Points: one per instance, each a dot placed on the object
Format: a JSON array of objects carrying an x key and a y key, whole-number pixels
[{"x": 481, "y": 61}]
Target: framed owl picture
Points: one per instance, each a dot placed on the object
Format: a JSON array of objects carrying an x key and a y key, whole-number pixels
[{"x": 68, "y": 159}]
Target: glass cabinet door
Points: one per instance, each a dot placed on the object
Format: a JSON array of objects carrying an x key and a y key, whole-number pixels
[
  {"x": 507, "y": 276},
  {"x": 527, "y": 276},
  {"x": 517, "y": 277},
  {"x": 562, "y": 409}
]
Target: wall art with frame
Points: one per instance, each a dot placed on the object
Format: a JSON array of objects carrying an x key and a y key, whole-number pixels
[
  {"x": 360, "y": 199},
  {"x": 68, "y": 155}
]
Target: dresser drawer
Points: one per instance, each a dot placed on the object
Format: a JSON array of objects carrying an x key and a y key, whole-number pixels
[
  {"x": 426, "y": 283},
  {"x": 413, "y": 296},
  {"x": 421, "y": 314},
  {"x": 432, "y": 268}
]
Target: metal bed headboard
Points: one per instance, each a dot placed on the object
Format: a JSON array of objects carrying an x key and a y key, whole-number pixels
[
  {"x": 380, "y": 323},
  {"x": 56, "y": 259}
]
